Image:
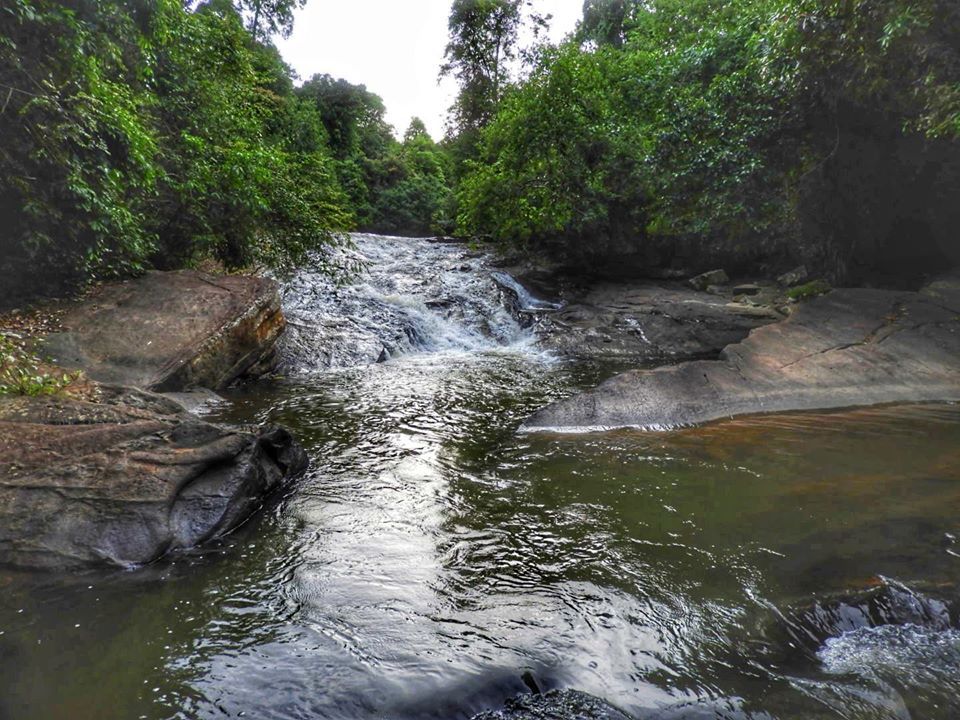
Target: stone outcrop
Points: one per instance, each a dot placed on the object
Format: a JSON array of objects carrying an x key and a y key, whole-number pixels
[
  {"x": 169, "y": 331},
  {"x": 848, "y": 348},
  {"x": 647, "y": 321},
  {"x": 109, "y": 473},
  {"x": 126, "y": 479}
]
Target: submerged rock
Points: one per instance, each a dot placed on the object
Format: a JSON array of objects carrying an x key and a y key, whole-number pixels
[
  {"x": 577, "y": 705},
  {"x": 847, "y": 348},
  {"x": 556, "y": 705},
  {"x": 169, "y": 331},
  {"x": 888, "y": 603},
  {"x": 126, "y": 479}
]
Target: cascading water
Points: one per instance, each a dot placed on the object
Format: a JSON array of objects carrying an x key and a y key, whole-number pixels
[
  {"x": 432, "y": 562},
  {"x": 406, "y": 295}
]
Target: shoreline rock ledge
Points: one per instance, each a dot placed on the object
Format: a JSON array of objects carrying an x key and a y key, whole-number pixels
[
  {"x": 171, "y": 331},
  {"x": 126, "y": 479},
  {"x": 850, "y": 347},
  {"x": 112, "y": 474}
]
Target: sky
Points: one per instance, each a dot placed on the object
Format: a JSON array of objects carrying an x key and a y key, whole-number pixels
[{"x": 394, "y": 47}]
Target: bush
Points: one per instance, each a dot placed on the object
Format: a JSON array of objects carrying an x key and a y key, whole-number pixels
[{"x": 22, "y": 372}]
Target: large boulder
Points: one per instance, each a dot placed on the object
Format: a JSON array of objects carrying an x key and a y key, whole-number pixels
[
  {"x": 168, "y": 331},
  {"x": 126, "y": 478},
  {"x": 847, "y": 348}
]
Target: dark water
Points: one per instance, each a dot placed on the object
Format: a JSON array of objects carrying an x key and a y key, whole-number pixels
[{"x": 431, "y": 557}]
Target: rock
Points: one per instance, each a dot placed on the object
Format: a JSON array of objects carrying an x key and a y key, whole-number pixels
[
  {"x": 746, "y": 289},
  {"x": 847, "y": 348},
  {"x": 800, "y": 631},
  {"x": 169, "y": 331},
  {"x": 555, "y": 705},
  {"x": 197, "y": 401},
  {"x": 748, "y": 309},
  {"x": 126, "y": 480},
  {"x": 704, "y": 280},
  {"x": 648, "y": 321},
  {"x": 793, "y": 277}
]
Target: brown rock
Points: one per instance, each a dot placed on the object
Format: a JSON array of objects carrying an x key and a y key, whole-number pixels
[
  {"x": 126, "y": 480},
  {"x": 169, "y": 331},
  {"x": 847, "y": 348}
]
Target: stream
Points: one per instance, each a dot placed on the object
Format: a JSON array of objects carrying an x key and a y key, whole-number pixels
[{"x": 433, "y": 562}]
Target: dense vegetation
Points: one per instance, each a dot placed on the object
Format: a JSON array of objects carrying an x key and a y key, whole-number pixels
[
  {"x": 144, "y": 134},
  {"x": 750, "y": 134},
  {"x": 755, "y": 132}
]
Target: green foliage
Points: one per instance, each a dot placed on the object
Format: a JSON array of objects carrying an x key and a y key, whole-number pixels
[
  {"x": 140, "y": 135},
  {"x": 483, "y": 43},
  {"x": 756, "y": 130},
  {"x": 269, "y": 17},
  {"x": 412, "y": 194},
  {"x": 247, "y": 177},
  {"x": 22, "y": 373},
  {"x": 607, "y": 22},
  {"x": 394, "y": 187},
  {"x": 78, "y": 153},
  {"x": 809, "y": 290}
]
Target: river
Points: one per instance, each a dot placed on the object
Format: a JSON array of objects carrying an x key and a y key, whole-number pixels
[{"x": 434, "y": 562}]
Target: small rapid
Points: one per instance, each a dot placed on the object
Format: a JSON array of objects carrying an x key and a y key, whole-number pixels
[
  {"x": 399, "y": 296},
  {"x": 434, "y": 562}
]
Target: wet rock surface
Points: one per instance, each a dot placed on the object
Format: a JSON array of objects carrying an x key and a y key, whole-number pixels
[
  {"x": 577, "y": 705},
  {"x": 851, "y": 347},
  {"x": 127, "y": 479},
  {"x": 555, "y": 705},
  {"x": 169, "y": 331},
  {"x": 649, "y": 322}
]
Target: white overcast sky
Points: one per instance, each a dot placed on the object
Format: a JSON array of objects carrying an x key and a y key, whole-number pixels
[{"x": 394, "y": 47}]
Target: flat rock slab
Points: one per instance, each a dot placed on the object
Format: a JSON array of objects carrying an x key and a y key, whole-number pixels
[
  {"x": 649, "y": 321},
  {"x": 167, "y": 331},
  {"x": 847, "y": 348},
  {"x": 127, "y": 479}
]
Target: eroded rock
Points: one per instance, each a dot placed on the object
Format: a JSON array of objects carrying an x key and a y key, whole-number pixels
[
  {"x": 169, "y": 331},
  {"x": 647, "y": 322},
  {"x": 848, "y": 348},
  {"x": 713, "y": 277},
  {"x": 126, "y": 480}
]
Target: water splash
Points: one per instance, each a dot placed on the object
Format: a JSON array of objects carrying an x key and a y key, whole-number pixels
[{"x": 412, "y": 295}]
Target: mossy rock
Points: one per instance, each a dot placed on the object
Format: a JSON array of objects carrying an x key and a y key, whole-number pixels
[{"x": 809, "y": 290}]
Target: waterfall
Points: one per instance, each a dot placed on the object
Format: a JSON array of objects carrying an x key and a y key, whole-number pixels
[{"x": 409, "y": 295}]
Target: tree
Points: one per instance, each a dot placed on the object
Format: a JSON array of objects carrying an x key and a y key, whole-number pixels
[
  {"x": 606, "y": 22},
  {"x": 416, "y": 129},
  {"x": 268, "y": 17},
  {"x": 763, "y": 131},
  {"x": 483, "y": 42},
  {"x": 145, "y": 134}
]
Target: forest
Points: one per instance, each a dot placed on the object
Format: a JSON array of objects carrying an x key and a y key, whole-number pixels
[{"x": 661, "y": 133}]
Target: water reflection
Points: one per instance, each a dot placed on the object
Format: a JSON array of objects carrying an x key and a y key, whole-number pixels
[{"x": 431, "y": 557}]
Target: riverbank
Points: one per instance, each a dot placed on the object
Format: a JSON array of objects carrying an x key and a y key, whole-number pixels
[
  {"x": 97, "y": 468},
  {"x": 850, "y": 347}
]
